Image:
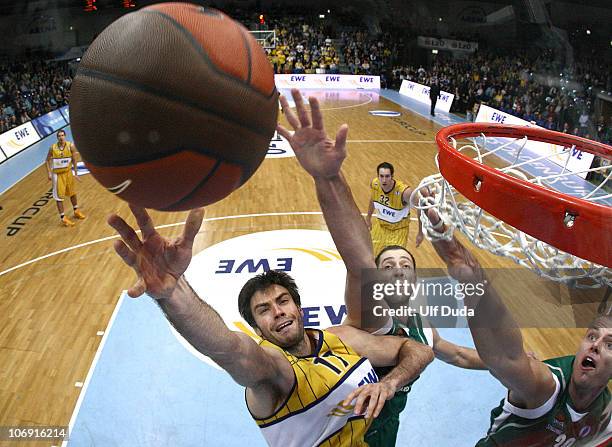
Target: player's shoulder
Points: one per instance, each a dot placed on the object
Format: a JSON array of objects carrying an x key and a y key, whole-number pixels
[
  {"x": 375, "y": 183},
  {"x": 562, "y": 365},
  {"x": 401, "y": 185},
  {"x": 342, "y": 331}
]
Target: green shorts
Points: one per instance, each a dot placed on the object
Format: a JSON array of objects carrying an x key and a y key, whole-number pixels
[{"x": 383, "y": 431}]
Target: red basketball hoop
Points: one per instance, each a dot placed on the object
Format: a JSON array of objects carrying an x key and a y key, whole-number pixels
[
  {"x": 512, "y": 206},
  {"x": 574, "y": 225}
]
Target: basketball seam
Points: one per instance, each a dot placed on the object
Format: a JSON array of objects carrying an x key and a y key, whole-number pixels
[
  {"x": 247, "y": 46},
  {"x": 96, "y": 74},
  {"x": 196, "y": 45},
  {"x": 196, "y": 188}
]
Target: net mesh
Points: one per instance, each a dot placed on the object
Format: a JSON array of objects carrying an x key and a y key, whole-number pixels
[
  {"x": 266, "y": 38},
  {"x": 489, "y": 233}
]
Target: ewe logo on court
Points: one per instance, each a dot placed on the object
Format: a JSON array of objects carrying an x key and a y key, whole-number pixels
[
  {"x": 279, "y": 147},
  {"x": 218, "y": 273}
]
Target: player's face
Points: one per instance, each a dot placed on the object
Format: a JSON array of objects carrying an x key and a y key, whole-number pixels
[
  {"x": 397, "y": 265},
  {"x": 61, "y": 137},
  {"x": 593, "y": 364},
  {"x": 385, "y": 177},
  {"x": 279, "y": 320}
]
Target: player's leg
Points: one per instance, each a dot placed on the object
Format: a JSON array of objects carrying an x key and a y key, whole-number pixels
[
  {"x": 378, "y": 234},
  {"x": 59, "y": 192},
  {"x": 71, "y": 191}
]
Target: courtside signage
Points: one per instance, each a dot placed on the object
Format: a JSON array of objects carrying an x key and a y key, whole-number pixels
[
  {"x": 327, "y": 81},
  {"x": 19, "y": 138},
  {"x": 389, "y": 113},
  {"x": 447, "y": 44},
  {"x": 420, "y": 93},
  {"x": 49, "y": 123},
  {"x": 578, "y": 160},
  {"x": 218, "y": 273}
]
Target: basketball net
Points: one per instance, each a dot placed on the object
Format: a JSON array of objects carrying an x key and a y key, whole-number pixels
[{"x": 490, "y": 233}]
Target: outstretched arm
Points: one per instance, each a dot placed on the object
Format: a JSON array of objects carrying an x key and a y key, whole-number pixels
[
  {"x": 456, "y": 355},
  {"x": 160, "y": 264},
  {"x": 322, "y": 158},
  {"x": 498, "y": 339}
]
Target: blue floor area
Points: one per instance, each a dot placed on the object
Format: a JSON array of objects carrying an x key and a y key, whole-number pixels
[{"x": 148, "y": 390}]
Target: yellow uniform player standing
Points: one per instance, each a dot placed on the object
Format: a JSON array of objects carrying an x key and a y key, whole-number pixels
[
  {"x": 61, "y": 164},
  {"x": 391, "y": 199}
]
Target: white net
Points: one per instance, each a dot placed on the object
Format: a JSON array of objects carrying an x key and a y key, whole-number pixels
[{"x": 489, "y": 233}]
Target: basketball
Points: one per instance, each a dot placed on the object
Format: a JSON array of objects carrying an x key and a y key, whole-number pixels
[{"x": 173, "y": 106}]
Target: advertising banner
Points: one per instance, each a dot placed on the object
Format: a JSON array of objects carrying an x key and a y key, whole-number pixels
[
  {"x": 420, "y": 93},
  {"x": 578, "y": 160},
  {"x": 17, "y": 139},
  {"x": 49, "y": 123},
  {"x": 327, "y": 81},
  {"x": 66, "y": 113},
  {"x": 447, "y": 44}
]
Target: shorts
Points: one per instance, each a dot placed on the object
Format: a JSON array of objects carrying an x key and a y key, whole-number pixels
[
  {"x": 383, "y": 237},
  {"x": 63, "y": 185}
]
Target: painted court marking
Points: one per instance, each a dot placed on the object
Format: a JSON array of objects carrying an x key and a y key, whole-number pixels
[
  {"x": 210, "y": 219},
  {"x": 92, "y": 367}
]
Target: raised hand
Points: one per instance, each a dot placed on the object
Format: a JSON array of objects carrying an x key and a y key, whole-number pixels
[
  {"x": 158, "y": 262},
  {"x": 319, "y": 155}
]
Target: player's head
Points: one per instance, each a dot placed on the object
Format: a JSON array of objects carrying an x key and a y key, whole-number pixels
[
  {"x": 593, "y": 364},
  {"x": 270, "y": 303},
  {"x": 61, "y": 136},
  {"x": 385, "y": 173},
  {"x": 399, "y": 264}
]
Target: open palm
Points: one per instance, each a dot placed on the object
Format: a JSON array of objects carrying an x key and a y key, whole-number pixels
[
  {"x": 158, "y": 262},
  {"x": 318, "y": 154}
]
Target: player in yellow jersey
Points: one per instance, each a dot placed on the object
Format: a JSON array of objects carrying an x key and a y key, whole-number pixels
[
  {"x": 304, "y": 387},
  {"x": 62, "y": 170},
  {"x": 391, "y": 200}
]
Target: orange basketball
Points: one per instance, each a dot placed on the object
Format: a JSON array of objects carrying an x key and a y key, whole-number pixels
[{"x": 173, "y": 106}]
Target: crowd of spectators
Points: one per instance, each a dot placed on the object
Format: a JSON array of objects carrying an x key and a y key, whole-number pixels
[
  {"x": 368, "y": 54},
  {"x": 29, "y": 89},
  {"x": 530, "y": 88},
  {"x": 302, "y": 48}
]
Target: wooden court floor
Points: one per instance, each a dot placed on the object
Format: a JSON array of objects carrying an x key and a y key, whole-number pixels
[{"x": 52, "y": 309}]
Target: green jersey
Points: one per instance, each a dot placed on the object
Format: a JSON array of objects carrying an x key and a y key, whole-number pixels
[
  {"x": 383, "y": 431},
  {"x": 554, "y": 424}
]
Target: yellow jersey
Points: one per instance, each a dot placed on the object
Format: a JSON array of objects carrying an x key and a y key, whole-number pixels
[
  {"x": 61, "y": 157},
  {"x": 390, "y": 208},
  {"x": 312, "y": 414}
]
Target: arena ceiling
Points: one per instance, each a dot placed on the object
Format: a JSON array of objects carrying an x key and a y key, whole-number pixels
[{"x": 8, "y": 7}]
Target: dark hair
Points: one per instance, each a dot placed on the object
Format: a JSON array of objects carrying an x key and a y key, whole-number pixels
[
  {"x": 385, "y": 165},
  {"x": 262, "y": 282},
  {"x": 394, "y": 247},
  {"x": 60, "y": 131}
]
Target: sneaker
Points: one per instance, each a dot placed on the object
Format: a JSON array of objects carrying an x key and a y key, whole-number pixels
[
  {"x": 67, "y": 222},
  {"x": 78, "y": 214}
]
